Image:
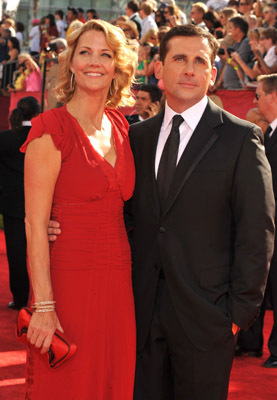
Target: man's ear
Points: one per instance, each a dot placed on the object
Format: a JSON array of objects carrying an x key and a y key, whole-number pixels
[
  {"x": 158, "y": 69},
  {"x": 213, "y": 77}
]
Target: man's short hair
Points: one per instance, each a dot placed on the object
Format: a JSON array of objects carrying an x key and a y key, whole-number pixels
[
  {"x": 188, "y": 31},
  {"x": 74, "y": 11},
  {"x": 201, "y": 7},
  {"x": 147, "y": 8},
  {"x": 269, "y": 83},
  {"x": 270, "y": 33},
  {"x": 94, "y": 13},
  {"x": 241, "y": 23},
  {"x": 60, "y": 13},
  {"x": 154, "y": 92},
  {"x": 248, "y": 2},
  {"x": 133, "y": 5}
]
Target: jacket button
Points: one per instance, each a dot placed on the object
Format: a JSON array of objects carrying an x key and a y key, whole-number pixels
[{"x": 162, "y": 229}]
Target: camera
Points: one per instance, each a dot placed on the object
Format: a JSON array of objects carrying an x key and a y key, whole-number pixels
[
  {"x": 219, "y": 34},
  {"x": 154, "y": 50},
  {"x": 221, "y": 51},
  {"x": 230, "y": 50},
  {"x": 51, "y": 47}
]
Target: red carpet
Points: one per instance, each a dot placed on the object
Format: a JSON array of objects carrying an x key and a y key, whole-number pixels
[{"x": 249, "y": 380}]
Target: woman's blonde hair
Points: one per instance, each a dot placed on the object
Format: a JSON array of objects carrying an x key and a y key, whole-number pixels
[
  {"x": 145, "y": 38},
  {"x": 125, "y": 64}
]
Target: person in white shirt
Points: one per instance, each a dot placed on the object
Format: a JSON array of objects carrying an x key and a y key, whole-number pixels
[
  {"x": 59, "y": 14},
  {"x": 34, "y": 37},
  {"x": 147, "y": 21},
  {"x": 19, "y": 27},
  {"x": 196, "y": 15}
]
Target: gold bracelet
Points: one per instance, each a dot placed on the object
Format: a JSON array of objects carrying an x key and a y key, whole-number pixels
[
  {"x": 43, "y": 310},
  {"x": 44, "y": 303}
]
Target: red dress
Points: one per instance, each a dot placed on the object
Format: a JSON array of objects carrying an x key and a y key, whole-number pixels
[{"x": 90, "y": 266}]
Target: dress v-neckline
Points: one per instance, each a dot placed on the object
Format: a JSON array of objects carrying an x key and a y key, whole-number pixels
[{"x": 114, "y": 138}]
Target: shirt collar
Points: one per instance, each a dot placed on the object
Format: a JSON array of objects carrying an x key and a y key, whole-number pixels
[
  {"x": 273, "y": 124},
  {"x": 192, "y": 115},
  {"x": 26, "y": 123}
]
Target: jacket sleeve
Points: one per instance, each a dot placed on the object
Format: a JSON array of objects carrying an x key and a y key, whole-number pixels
[{"x": 253, "y": 209}]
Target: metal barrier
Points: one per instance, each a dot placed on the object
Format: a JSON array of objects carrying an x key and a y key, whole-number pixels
[{"x": 8, "y": 72}]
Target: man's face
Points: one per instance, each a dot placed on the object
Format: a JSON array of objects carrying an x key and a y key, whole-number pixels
[
  {"x": 234, "y": 31},
  {"x": 89, "y": 16},
  {"x": 128, "y": 11},
  {"x": 70, "y": 15},
  {"x": 196, "y": 15},
  {"x": 269, "y": 15},
  {"x": 262, "y": 100},
  {"x": 143, "y": 101},
  {"x": 244, "y": 7},
  {"x": 187, "y": 71}
]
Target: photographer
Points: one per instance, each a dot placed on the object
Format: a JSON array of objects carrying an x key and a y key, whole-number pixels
[
  {"x": 54, "y": 49},
  {"x": 233, "y": 75}
]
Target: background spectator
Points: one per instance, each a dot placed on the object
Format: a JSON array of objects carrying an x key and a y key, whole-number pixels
[
  {"x": 59, "y": 16},
  {"x": 19, "y": 28}
]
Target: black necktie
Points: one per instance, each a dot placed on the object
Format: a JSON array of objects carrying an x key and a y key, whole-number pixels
[
  {"x": 267, "y": 134},
  {"x": 168, "y": 160}
]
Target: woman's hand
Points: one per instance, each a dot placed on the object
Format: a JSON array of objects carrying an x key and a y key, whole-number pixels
[{"x": 41, "y": 329}]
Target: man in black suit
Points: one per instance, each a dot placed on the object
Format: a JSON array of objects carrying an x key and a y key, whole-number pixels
[
  {"x": 132, "y": 9},
  {"x": 251, "y": 342},
  {"x": 203, "y": 226},
  {"x": 147, "y": 103},
  {"x": 12, "y": 197}
]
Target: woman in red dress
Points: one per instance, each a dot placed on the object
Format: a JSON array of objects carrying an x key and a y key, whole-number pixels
[{"x": 79, "y": 170}]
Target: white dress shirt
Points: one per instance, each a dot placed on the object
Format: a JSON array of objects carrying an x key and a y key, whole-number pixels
[
  {"x": 148, "y": 23},
  {"x": 191, "y": 117},
  {"x": 273, "y": 125}
]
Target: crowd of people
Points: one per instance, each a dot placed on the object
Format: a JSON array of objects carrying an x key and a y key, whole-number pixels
[{"x": 180, "y": 184}]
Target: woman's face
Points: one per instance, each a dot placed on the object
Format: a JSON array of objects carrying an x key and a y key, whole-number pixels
[
  {"x": 93, "y": 63},
  {"x": 10, "y": 45},
  {"x": 158, "y": 16},
  {"x": 153, "y": 39},
  {"x": 166, "y": 13},
  {"x": 223, "y": 19}
]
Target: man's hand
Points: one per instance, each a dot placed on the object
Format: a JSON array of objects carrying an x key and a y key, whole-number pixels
[
  {"x": 153, "y": 109},
  {"x": 53, "y": 230},
  {"x": 235, "y": 329}
]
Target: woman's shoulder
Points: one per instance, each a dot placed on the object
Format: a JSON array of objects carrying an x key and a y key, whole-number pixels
[{"x": 119, "y": 120}]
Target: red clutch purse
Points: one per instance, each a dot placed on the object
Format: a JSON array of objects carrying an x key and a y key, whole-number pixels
[{"x": 61, "y": 348}]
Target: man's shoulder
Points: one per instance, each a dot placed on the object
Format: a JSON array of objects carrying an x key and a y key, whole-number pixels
[
  {"x": 229, "y": 122},
  {"x": 132, "y": 119}
]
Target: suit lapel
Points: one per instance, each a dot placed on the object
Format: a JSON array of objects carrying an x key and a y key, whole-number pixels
[
  {"x": 201, "y": 140},
  {"x": 271, "y": 142},
  {"x": 153, "y": 131}
]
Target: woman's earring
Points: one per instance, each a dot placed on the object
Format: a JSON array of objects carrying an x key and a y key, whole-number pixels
[
  {"x": 110, "y": 90},
  {"x": 72, "y": 82}
]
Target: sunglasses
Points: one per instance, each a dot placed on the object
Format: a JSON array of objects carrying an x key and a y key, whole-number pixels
[{"x": 257, "y": 96}]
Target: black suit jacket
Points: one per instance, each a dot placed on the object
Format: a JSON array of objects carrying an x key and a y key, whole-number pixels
[
  {"x": 214, "y": 239},
  {"x": 271, "y": 153},
  {"x": 132, "y": 119},
  {"x": 11, "y": 172}
]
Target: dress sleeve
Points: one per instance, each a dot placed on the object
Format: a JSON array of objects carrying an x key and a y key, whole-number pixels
[
  {"x": 119, "y": 120},
  {"x": 47, "y": 123}
]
